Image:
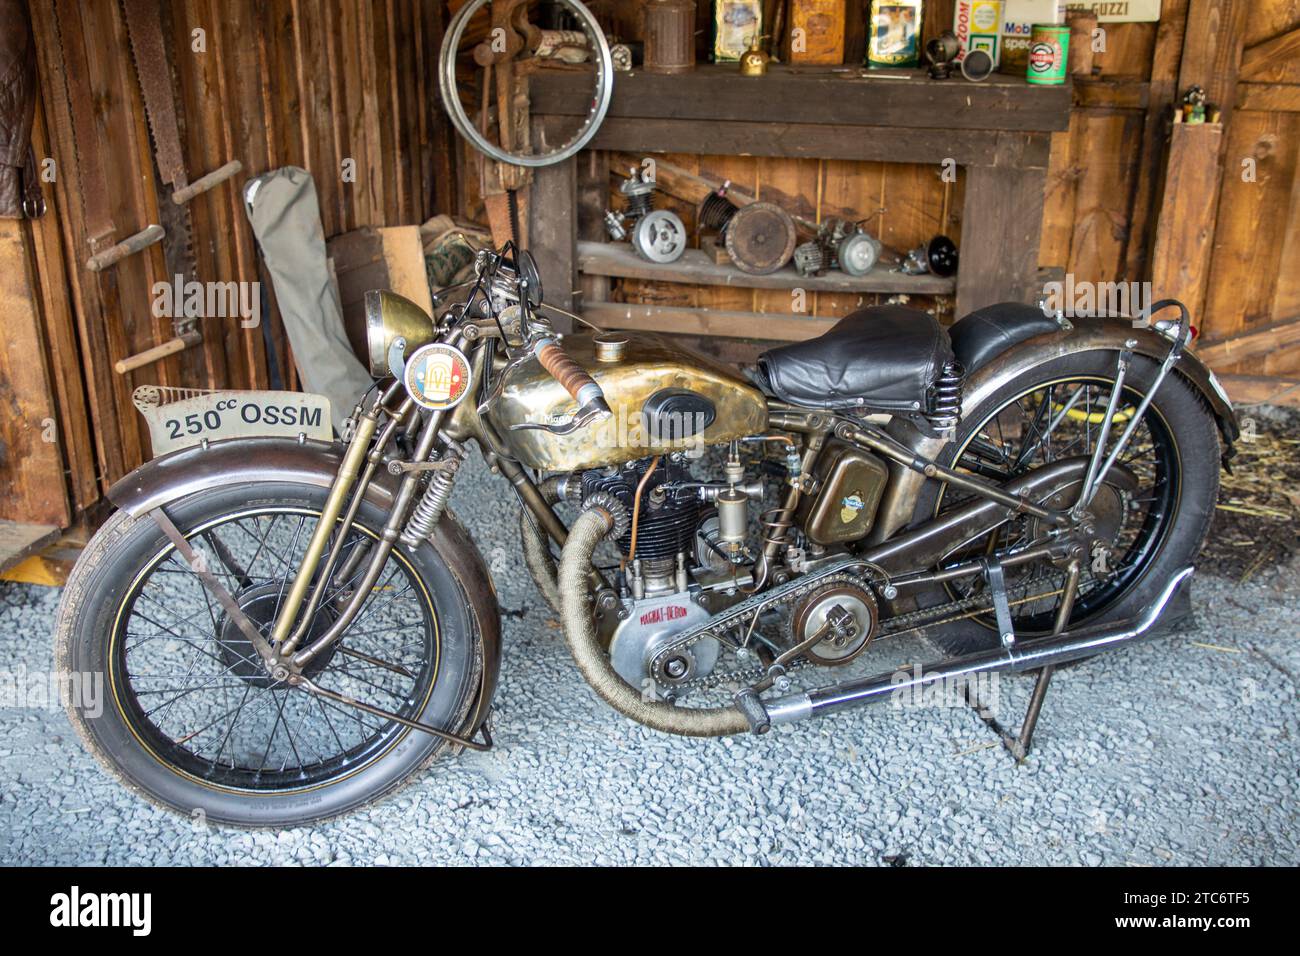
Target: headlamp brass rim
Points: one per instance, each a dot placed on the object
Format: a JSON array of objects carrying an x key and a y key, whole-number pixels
[{"x": 389, "y": 317}]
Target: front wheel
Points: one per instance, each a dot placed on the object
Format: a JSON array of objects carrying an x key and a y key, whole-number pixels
[
  {"x": 190, "y": 719},
  {"x": 1153, "y": 512}
]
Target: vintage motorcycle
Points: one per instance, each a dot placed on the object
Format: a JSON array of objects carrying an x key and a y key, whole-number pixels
[{"x": 289, "y": 629}]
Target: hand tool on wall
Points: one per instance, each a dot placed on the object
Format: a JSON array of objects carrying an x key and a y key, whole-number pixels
[{"x": 144, "y": 23}]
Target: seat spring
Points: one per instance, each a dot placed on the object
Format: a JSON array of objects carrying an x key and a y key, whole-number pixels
[{"x": 945, "y": 404}]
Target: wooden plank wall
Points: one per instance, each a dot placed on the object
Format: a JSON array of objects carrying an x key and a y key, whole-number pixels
[
  {"x": 1254, "y": 279},
  {"x": 280, "y": 82}
]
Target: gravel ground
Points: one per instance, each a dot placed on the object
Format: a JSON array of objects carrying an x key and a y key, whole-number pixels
[{"x": 1181, "y": 751}]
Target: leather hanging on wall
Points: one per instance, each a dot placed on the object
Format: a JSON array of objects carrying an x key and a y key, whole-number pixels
[{"x": 20, "y": 189}]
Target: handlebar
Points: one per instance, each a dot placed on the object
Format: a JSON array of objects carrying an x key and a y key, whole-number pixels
[{"x": 577, "y": 381}]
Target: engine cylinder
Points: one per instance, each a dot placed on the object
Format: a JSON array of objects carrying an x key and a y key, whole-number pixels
[{"x": 668, "y": 515}]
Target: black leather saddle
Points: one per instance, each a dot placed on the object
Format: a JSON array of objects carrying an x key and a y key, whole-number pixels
[{"x": 886, "y": 358}]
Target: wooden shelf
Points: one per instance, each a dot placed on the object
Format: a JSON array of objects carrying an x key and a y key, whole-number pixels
[
  {"x": 836, "y": 96},
  {"x": 998, "y": 132},
  {"x": 618, "y": 260}
]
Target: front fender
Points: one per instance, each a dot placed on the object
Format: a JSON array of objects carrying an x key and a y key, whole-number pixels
[
  {"x": 1099, "y": 334},
  {"x": 248, "y": 461}
]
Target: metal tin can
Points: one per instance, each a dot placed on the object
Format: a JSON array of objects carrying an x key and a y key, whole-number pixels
[
  {"x": 894, "y": 33},
  {"x": 1049, "y": 50}
]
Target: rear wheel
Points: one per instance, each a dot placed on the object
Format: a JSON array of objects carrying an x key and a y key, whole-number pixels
[
  {"x": 1153, "y": 513},
  {"x": 189, "y": 716}
]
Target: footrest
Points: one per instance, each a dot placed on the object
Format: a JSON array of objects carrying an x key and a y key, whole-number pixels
[{"x": 751, "y": 706}]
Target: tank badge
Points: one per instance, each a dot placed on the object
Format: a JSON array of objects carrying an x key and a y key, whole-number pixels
[
  {"x": 851, "y": 507},
  {"x": 437, "y": 376}
]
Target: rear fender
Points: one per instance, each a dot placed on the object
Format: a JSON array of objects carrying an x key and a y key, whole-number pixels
[
  {"x": 898, "y": 505},
  {"x": 1101, "y": 334},
  {"x": 248, "y": 461}
]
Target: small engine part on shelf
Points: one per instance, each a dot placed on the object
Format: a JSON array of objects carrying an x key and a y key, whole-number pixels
[
  {"x": 839, "y": 244},
  {"x": 811, "y": 259},
  {"x": 716, "y": 210},
  {"x": 638, "y": 192},
  {"x": 858, "y": 253},
  {"x": 760, "y": 238},
  {"x": 614, "y": 225},
  {"x": 658, "y": 235},
  {"x": 937, "y": 257},
  {"x": 622, "y": 56}
]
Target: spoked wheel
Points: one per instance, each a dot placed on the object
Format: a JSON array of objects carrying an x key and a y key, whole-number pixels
[
  {"x": 190, "y": 715},
  {"x": 1149, "y": 518},
  {"x": 502, "y": 32}
]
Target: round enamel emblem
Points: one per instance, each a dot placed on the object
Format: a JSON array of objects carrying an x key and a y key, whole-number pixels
[{"x": 437, "y": 376}]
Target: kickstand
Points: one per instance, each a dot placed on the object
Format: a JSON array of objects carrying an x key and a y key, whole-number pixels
[{"x": 1018, "y": 744}]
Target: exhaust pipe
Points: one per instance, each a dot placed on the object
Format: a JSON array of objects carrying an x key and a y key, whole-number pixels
[{"x": 1033, "y": 655}]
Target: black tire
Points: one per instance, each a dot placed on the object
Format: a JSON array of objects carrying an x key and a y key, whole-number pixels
[
  {"x": 1180, "y": 411},
  {"x": 93, "y": 616}
]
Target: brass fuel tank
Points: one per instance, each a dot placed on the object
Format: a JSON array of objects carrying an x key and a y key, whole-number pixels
[{"x": 664, "y": 398}]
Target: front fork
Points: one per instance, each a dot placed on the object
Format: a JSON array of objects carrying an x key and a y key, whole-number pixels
[{"x": 289, "y": 656}]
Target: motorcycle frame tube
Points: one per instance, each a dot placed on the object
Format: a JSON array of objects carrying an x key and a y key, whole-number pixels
[
  {"x": 349, "y": 469},
  {"x": 358, "y": 450},
  {"x": 880, "y": 443},
  {"x": 926, "y": 544},
  {"x": 372, "y": 462}
]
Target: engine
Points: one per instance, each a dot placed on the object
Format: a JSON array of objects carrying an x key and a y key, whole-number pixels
[
  {"x": 659, "y": 596},
  {"x": 690, "y": 549}
]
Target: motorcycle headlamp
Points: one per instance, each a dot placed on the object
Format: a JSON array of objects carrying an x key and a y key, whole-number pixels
[{"x": 389, "y": 317}]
